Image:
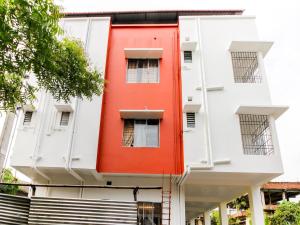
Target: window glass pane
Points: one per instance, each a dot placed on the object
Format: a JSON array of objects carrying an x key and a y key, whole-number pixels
[
  {"x": 149, "y": 213},
  {"x": 142, "y": 71},
  {"x": 152, "y": 135},
  {"x": 140, "y": 133},
  {"x": 128, "y": 133},
  {"x": 153, "y": 71},
  {"x": 132, "y": 70}
]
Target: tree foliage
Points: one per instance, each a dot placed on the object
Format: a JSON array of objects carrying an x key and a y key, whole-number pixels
[
  {"x": 29, "y": 44},
  {"x": 8, "y": 177},
  {"x": 215, "y": 218},
  {"x": 287, "y": 213}
]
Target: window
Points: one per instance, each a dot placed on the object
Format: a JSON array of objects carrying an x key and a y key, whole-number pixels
[
  {"x": 142, "y": 71},
  {"x": 149, "y": 213},
  {"x": 256, "y": 134},
  {"x": 141, "y": 133},
  {"x": 188, "y": 56},
  {"x": 64, "y": 119},
  {"x": 190, "y": 119},
  {"x": 245, "y": 67},
  {"x": 27, "y": 118}
]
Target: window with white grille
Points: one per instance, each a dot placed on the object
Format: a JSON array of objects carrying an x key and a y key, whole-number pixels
[
  {"x": 190, "y": 120},
  {"x": 141, "y": 133},
  {"x": 143, "y": 71},
  {"x": 64, "y": 119},
  {"x": 245, "y": 67},
  {"x": 188, "y": 56},
  {"x": 256, "y": 134},
  {"x": 27, "y": 118}
]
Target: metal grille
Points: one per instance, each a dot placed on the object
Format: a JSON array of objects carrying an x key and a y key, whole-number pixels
[
  {"x": 14, "y": 209},
  {"x": 188, "y": 56},
  {"x": 27, "y": 118},
  {"x": 64, "y": 120},
  {"x": 245, "y": 67},
  {"x": 190, "y": 119},
  {"x": 256, "y": 134},
  {"x": 81, "y": 211},
  {"x": 142, "y": 71}
]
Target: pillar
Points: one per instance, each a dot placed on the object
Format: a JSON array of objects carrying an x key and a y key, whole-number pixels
[
  {"x": 207, "y": 218},
  {"x": 256, "y": 205},
  {"x": 223, "y": 213}
]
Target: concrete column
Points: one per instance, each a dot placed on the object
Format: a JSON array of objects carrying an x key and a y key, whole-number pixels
[
  {"x": 182, "y": 205},
  {"x": 223, "y": 213},
  {"x": 256, "y": 205},
  {"x": 207, "y": 218}
]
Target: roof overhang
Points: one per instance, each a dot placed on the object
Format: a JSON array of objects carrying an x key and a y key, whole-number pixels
[
  {"x": 152, "y": 17},
  {"x": 141, "y": 114},
  {"x": 64, "y": 107},
  {"x": 143, "y": 53},
  {"x": 275, "y": 111},
  {"x": 251, "y": 46}
]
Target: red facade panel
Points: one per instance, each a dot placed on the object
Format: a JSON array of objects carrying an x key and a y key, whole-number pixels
[{"x": 113, "y": 157}]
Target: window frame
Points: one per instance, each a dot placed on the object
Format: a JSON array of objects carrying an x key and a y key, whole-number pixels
[
  {"x": 158, "y": 134},
  {"x": 61, "y": 118},
  {"x": 247, "y": 122},
  {"x": 158, "y": 70},
  {"x": 27, "y": 124},
  {"x": 187, "y": 124},
  {"x": 236, "y": 58},
  {"x": 188, "y": 60}
]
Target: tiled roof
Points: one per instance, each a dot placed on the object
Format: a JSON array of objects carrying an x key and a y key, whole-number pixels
[{"x": 282, "y": 186}]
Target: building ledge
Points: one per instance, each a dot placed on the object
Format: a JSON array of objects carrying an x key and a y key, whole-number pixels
[
  {"x": 141, "y": 114},
  {"x": 143, "y": 53},
  {"x": 275, "y": 111},
  {"x": 251, "y": 46}
]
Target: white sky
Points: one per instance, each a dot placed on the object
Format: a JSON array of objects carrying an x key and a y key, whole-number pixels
[{"x": 277, "y": 21}]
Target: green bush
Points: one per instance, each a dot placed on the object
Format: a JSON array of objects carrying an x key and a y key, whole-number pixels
[
  {"x": 8, "y": 177},
  {"x": 287, "y": 213}
]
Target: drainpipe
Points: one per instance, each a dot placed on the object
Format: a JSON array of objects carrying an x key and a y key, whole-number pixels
[
  {"x": 184, "y": 176},
  {"x": 205, "y": 101},
  {"x": 41, "y": 128},
  {"x": 68, "y": 165}
]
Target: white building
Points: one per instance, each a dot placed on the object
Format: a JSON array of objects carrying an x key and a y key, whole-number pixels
[{"x": 186, "y": 95}]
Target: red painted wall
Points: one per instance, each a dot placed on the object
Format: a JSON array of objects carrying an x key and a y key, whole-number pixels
[{"x": 112, "y": 156}]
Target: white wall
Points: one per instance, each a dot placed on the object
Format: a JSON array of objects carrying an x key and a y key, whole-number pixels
[
  {"x": 217, "y": 129},
  {"x": 45, "y": 143}
]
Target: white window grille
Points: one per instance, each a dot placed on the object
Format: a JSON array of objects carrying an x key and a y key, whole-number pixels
[
  {"x": 245, "y": 67},
  {"x": 141, "y": 133},
  {"x": 143, "y": 71},
  {"x": 256, "y": 134},
  {"x": 64, "y": 119},
  {"x": 190, "y": 119},
  {"x": 27, "y": 118},
  {"x": 188, "y": 56}
]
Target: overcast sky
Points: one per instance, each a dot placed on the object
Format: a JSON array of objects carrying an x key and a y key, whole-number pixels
[{"x": 277, "y": 21}]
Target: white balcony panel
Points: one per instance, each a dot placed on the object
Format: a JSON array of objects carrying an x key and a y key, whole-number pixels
[
  {"x": 275, "y": 111},
  {"x": 251, "y": 46},
  {"x": 143, "y": 53},
  {"x": 191, "y": 107},
  {"x": 188, "y": 46}
]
